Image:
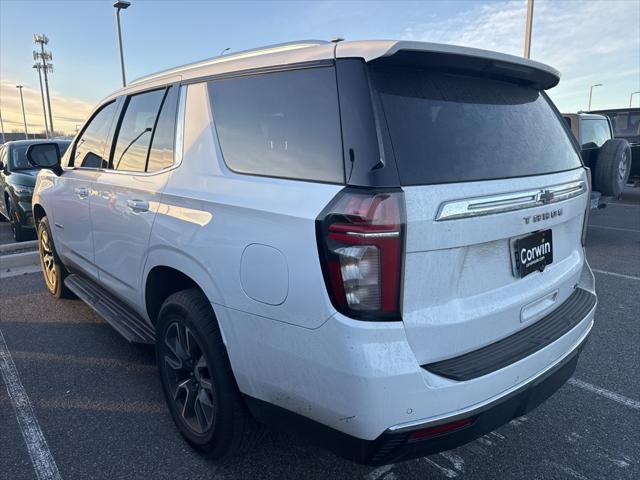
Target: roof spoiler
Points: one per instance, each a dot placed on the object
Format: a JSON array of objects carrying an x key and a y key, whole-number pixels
[{"x": 471, "y": 61}]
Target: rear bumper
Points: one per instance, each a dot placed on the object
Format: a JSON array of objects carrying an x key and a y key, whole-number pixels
[
  {"x": 357, "y": 388},
  {"x": 398, "y": 444}
]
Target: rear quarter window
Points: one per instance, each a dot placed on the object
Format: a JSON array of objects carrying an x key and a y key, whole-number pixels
[
  {"x": 453, "y": 128},
  {"x": 283, "y": 124}
]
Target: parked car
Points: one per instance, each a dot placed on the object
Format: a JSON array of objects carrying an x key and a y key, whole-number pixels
[
  {"x": 375, "y": 243},
  {"x": 609, "y": 159},
  {"x": 17, "y": 178},
  {"x": 626, "y": 125}
]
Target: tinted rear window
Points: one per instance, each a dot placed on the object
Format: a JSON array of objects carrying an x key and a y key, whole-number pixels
[
  {"x": 284, "y": 124},
  {"x": 451, "y": 128}
]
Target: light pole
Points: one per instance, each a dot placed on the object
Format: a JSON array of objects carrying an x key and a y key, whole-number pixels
[
  {"x": 631, "y": 97},
  {"x": 24, "y": 117},
  {"x": 37, "y": 66},
  {"x": 591, "y": 94},
  {"x": 121, "y": 5},
  {"x": 46, "y": 67},
  {"x": 2, "y": 128},
  {"x": 225, "y": 50},
  {"x": 527, "y": 33}
]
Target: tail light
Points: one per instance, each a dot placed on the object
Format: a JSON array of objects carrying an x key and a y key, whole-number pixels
[
  {"x": 585, "y": 222},
  {"x": 361, "y": 243}
]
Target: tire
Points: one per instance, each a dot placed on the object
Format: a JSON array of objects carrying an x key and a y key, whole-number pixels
[
  {"x": 613, "y": 167},
  {"x": 53, "y": 270},
  {"x": 20, "y": 234},
  {"x": 193, "y": 364}
]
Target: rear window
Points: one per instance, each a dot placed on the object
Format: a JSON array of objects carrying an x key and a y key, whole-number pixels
[
  {"x": 283, "y": 124},
  {"x": 593, "y": 133},
  {"x": 452, "y": 128}
]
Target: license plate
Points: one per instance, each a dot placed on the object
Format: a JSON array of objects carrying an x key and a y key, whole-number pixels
[{"x": 533, "y": 253}]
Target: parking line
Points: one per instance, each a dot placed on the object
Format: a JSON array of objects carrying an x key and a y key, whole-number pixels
[
  {"x": 616, "y": 397},
  {"x": 43, "y": 463},
  {"x": 615, "y": 228},
  {"x": 614, "y": 274}
]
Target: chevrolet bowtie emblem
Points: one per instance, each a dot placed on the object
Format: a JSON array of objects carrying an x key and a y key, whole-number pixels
[{"x": 545, "y": 196}]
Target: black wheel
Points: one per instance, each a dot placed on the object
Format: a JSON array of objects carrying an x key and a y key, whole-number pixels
[
  {"x": 19, "y": 233},
  {"x": 613, "y": 167},
  {"x": 197, "y": 379},
  {"x": 53, "y": 270}
]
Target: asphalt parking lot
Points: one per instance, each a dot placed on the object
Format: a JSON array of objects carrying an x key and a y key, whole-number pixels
[{"x": 98, "y": 402}]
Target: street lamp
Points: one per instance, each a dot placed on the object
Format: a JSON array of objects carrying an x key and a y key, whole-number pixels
[
  {"x": 529, "y": 28},
  {"x": 591, "y": 94},
  {"x": 225, "y": 50},
  {"x": 121, "y": 5},
  {"x": 631, "y": 97},
  {"x": 2, "y": 128},
  {"x": 24, "y": 117}
]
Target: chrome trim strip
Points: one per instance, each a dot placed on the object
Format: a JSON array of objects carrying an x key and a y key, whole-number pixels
[
  {"x": 373, "y": 234},
  {"x": 507, "y": 202},
  {"x": 482, "y": 406}
]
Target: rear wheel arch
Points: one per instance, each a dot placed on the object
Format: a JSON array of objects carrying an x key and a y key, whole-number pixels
[{"x": 163, "y": 281}]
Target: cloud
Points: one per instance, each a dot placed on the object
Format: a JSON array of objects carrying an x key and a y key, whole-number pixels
[
  {"x": 67, "y": 112},
  {"x": 589, "y": 42}
]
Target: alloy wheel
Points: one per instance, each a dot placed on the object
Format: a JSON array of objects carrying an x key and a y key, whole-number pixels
[
  {"x": 48, "y": 260},
  {"x": 189, "y": 378}
]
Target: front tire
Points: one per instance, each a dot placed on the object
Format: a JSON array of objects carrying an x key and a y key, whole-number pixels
[
  {"x": 53, "y": 270},
  {"x": 197, "y": 380},
  {"x": 19, "y": 233}
]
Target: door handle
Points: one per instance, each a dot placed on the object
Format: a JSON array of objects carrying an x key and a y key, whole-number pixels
[
  {"x": 138, "y": 205},
  {"x": 81, "y": 192}
]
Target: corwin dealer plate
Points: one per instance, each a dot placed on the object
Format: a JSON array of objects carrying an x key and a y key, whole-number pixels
[{"x": 533, "y": 253}]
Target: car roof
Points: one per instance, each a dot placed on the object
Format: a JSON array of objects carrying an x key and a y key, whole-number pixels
[
  {"x": 617, "y": 110},
  {"x": 383, "y": 52},
  {"x": 584, "y": 115},
  {"x": 18, "y": 143}
]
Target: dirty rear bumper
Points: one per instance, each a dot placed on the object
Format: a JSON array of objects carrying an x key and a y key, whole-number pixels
[{"x": 406, "y": 443}]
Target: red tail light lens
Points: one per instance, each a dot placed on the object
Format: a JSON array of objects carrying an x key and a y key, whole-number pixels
[
  {"x": 440, "y": 429},
  {"x": 361, "y": 242}
]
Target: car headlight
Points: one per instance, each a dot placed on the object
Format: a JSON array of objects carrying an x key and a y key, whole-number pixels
[{"x": 23, "y": 190}]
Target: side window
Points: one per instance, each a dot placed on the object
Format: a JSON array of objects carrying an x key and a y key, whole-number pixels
[
  {"x": 136, "y": 131},
  {"x": 162, "y": 145},
  {"x": 594, "y": 133},
  {"x": 89, "y": 148},
  {"x": 283, "y": 124}
]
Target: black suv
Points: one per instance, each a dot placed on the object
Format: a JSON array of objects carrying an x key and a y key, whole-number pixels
[
  {"x": 17, "y": 179},
  {"x": 608, "y": 158},
  {"x": 626, "y": 125}
]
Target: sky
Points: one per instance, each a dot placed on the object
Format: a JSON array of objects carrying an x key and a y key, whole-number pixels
[{"x": 589, "y": 41}]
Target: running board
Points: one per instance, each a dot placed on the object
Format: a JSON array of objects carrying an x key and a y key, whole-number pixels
[{"x": 126, "y": 322}]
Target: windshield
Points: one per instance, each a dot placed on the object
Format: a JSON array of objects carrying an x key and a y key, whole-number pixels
[
  {"x": 18, "y": 159},
  {"x": 454, "y": 128},
  {"x": 625, "y": 124}
]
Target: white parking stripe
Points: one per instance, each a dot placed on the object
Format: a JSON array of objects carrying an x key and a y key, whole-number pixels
[
  {"x": 591, "y": 225},
  {"x": 614, "y": 274},
  {"x": 616, "y": 397},
  {"x": 41, "y": 458}
]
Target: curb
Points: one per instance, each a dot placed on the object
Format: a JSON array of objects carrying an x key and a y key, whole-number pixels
[
  {"x": 8, "y": 247},
  {"x": 19, "y": 260}
]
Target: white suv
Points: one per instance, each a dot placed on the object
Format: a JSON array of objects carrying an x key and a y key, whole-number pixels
[{"x": 377, "y": 243}]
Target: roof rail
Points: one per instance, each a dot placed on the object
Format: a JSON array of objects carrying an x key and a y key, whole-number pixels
[{"x": 280, "y": 47}]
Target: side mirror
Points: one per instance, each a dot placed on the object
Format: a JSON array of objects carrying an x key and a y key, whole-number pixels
[{"x": 45, "y": 155}]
